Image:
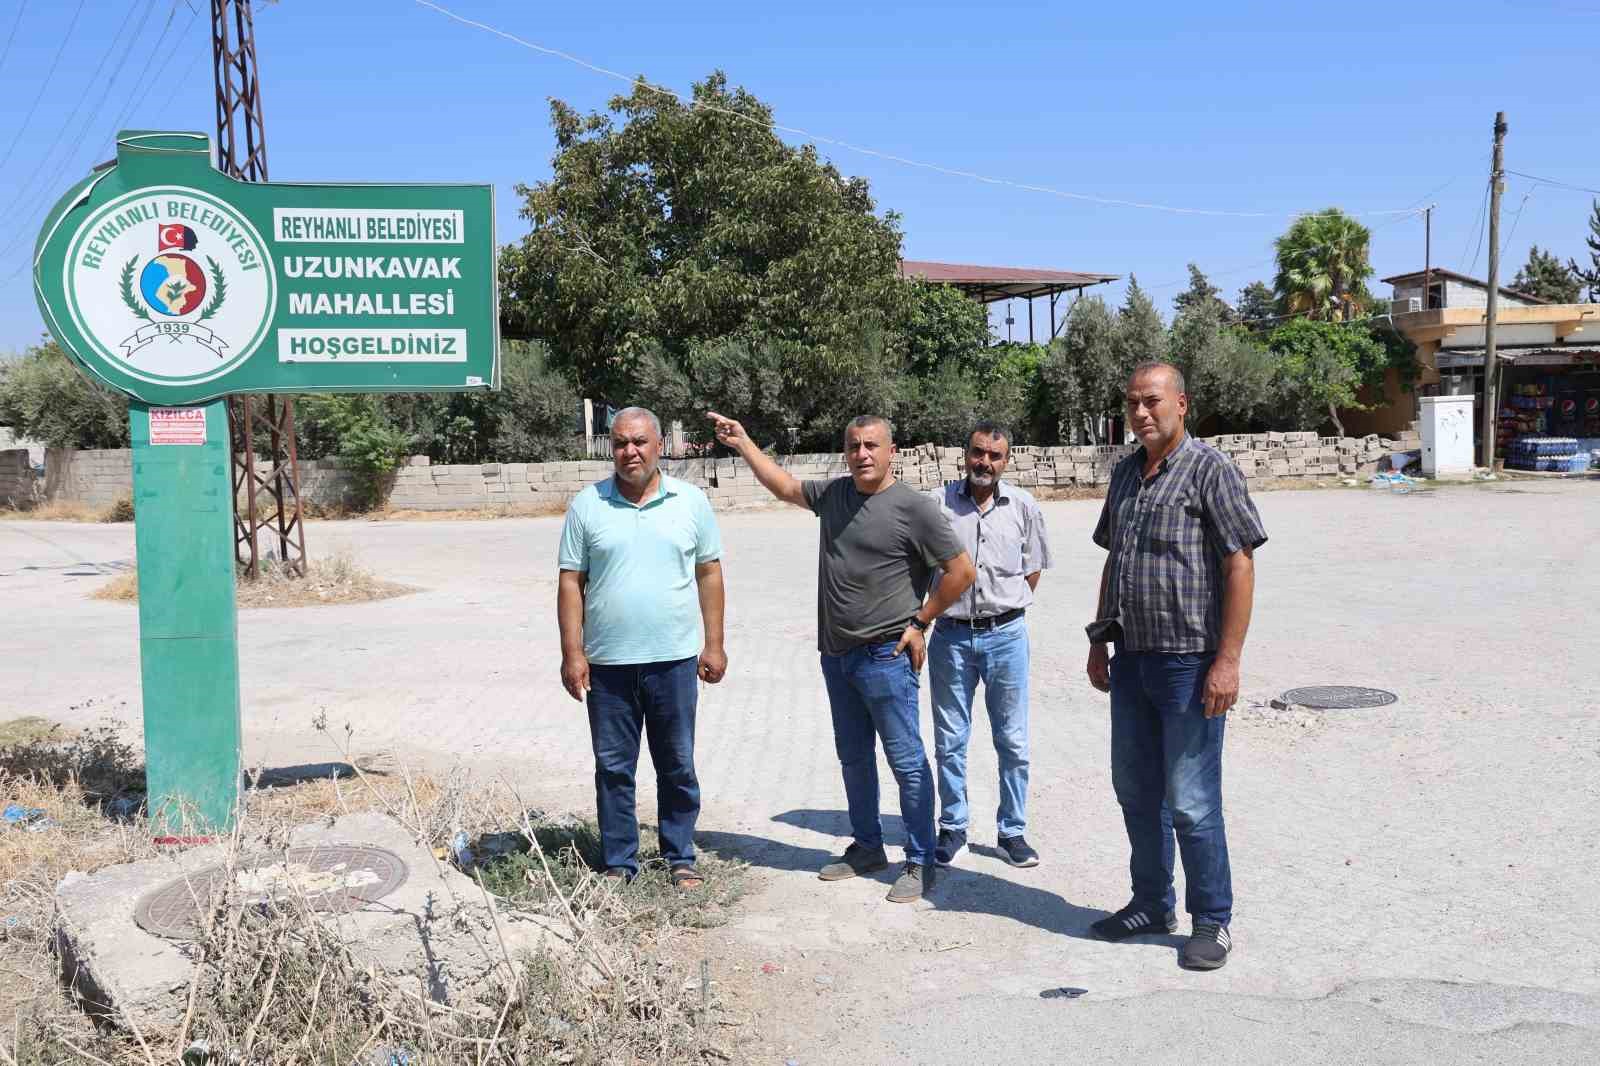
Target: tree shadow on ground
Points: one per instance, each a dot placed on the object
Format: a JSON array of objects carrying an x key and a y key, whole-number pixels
[{"x": 957, "y": 889}]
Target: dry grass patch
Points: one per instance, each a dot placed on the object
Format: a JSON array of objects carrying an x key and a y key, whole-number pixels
[
  {"x": 336, "y": 579},
  {"x": 274, "y": 983},
  {"x": 68, "y": 511},
  {"x": 26, "y": 729},
  {"x": 481, "y": 514}
]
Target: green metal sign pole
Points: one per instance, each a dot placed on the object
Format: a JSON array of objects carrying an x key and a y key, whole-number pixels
[
  {"x": 188, "y": 625},
  {"x": 178, "y": 286}
]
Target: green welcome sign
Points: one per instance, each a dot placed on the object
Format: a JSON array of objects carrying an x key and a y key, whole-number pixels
[{"x": 176, "y": 284}]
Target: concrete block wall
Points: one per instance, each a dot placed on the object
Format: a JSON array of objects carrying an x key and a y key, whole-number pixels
[
  {"x": 16, "y": 477},
  {"x": 97, "y": 478},
  {"x": 101, "y": 478}
]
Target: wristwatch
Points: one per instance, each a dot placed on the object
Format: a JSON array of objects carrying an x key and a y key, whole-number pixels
[{"x": 922, "y": 627}]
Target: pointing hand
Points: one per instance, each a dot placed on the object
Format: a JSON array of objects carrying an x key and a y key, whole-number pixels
[{"x": 728, "y": 430}]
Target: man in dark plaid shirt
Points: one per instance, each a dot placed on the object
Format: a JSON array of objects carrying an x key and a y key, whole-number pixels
[{"x": 1175, "y": 600}]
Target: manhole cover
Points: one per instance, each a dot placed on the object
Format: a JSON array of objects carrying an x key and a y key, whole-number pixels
[
  {"x": 335, "y": 878},
  {"x": 1338, "y": 697}
]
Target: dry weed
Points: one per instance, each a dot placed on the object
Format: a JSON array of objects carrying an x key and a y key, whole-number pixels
[
  {"x": 59, "y": 511},
  {"x": 519, "y": 510},
  {"x": 334, "y": 579},
  {"x": 277, "y": 984}
]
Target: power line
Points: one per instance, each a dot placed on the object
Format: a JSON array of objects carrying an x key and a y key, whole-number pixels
[
  {"x": 1525, "y": 198},
  {"x": 1482, "y": 230},
  {"x": 43, "y": 86},
  {"x": 890, "y": 157},
  {"x": 44, "y": 172},
  {"x": 1309, "y": 249},
  {"x": 1555, "y": 183},
  {"x": 1483, "y": 211},
  {"x": 144, "y": 75},
  {"x": 35, "y": 212},
  {"x": 21, "y": 9}
]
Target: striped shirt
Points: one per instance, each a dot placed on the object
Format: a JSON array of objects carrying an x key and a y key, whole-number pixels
[{"x": 1167, "y": 537}]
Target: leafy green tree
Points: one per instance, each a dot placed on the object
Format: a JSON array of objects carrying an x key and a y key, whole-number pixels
[
  {"x": 532, "y": 417},
  {"x": 1256, "y": 307},
  {"x": 942, "y": 407},
  {"x": 1140, "y": 336},
  {"x": 1081, "y": 363},
  {"x": 1200, "y": 293},
  {"x": 535, "y": 415},
  {"x": 1228, "y": 373},
  {"x": 939, "y": 325},
  {"x": 1321, "y": 365},
  {"x": 673, "y": 224},
  {"x": 44, "y": 396},
  {"x": 1591, "y": 276},
  {"x": 1014, "y": 393},
  {"x": 1323, "y": 267},
  {"x": 363, "y": 435},
  {"x": 787, "y": 394},
  {"x": 1548, "y": 278}
]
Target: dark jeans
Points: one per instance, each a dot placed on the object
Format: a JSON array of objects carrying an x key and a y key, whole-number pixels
[
  {"x": 659, "y": 698},
  {"x": 1166, "y": 767},
  {"x": 872, "y": 693}
]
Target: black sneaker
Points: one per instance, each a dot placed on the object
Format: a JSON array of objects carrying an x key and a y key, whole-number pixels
[
  {"x": 951, "y": 841},
  {"x": 856, "y": 861},
  {"x": 1134, "y": 921},
  {"x": 914, "y": 880},
  {"x": 1207, "y": 948},
  {"x": 1018, "y": 853}
]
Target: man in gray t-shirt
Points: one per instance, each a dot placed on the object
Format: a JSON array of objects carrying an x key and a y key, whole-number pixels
[
  {"x": 880, "y": 545},
  {"x": 875, "y": 559}
]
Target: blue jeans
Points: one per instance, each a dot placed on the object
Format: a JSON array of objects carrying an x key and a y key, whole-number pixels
[
  {"x": 1166, "y": 767},
  {"x": 958, "y": 658},
  {"x": 872, "y": 693},
  {"x": 659, "y": 699}
]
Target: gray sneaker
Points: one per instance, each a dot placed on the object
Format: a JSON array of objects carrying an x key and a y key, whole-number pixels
[
  {"x": 913, "y": 881},
  {"x": 856, "y": 861}
]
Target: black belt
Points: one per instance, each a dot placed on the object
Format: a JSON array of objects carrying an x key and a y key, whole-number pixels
[{"x": 994, "y": 621}]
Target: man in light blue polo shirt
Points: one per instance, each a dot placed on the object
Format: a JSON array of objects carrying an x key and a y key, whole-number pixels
[{"x": 640, "y": 575}]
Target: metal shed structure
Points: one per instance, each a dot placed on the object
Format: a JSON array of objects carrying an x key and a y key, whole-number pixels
[{"x": 990, "y": 284}]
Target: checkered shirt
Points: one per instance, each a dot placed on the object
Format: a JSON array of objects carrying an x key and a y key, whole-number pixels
[{"x": 1167, "y": 538}]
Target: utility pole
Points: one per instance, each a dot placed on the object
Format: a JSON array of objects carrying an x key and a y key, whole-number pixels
[
  {"x": 263, "y": 498},
  {"x": 1427, "y": 255},
  {"x": 1491, "y": 400}
]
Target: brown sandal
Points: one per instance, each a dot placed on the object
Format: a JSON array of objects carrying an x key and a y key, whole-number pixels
[{"x": 686, "y": 878}]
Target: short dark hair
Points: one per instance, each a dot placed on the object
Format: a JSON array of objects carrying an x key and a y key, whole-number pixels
[
  {"x": 990, "y": 429},
  {"x": 864, "y": 421},
  {"x": 1158, "y": 364}
]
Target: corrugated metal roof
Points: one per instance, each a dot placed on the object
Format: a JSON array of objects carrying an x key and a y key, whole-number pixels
[{"x": 974, "y": 274}]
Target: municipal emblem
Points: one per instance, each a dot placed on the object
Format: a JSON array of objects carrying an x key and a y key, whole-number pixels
[{"x": 171, "y": 285}]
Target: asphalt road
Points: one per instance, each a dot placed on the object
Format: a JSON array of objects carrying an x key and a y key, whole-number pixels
[{"x": 1413, "y": 883}]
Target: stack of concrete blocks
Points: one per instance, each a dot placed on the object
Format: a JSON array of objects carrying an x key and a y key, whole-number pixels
[
  {"x": 98, "y": 478},
  {"x": 1408, "y": 442},
  {"x": 16, "y": 478},
  {"x": 1304, "y": 454},
  {"x": 1070, "y": 466}
]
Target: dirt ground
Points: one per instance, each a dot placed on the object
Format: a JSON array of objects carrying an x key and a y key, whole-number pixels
[{"x": 1412, "y": 882}]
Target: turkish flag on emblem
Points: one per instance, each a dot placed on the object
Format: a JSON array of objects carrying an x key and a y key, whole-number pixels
[{"x": 174, "y": 235}]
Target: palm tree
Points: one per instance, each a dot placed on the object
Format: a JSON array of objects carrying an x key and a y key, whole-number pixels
[{"x": 1323, "y": 267}]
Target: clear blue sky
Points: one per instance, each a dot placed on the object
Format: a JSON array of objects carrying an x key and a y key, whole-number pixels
[{"x": 1233, "y": 107}]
